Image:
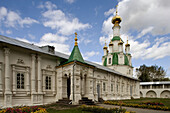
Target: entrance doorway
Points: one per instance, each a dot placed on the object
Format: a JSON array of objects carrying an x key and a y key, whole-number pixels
[
  {"x": 68, "y": 87},
  {"x": 98, "y": 90}
]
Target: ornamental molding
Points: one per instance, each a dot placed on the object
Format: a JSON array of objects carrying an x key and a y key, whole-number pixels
[
  {"x": 20, "y": 61},
  {"x": 48, "y": 67}
]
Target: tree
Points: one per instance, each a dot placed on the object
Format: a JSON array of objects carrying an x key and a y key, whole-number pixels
[{"x": 150, "y": 73}]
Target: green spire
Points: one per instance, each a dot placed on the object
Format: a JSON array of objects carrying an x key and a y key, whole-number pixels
[{"x": 76, "y": 54}]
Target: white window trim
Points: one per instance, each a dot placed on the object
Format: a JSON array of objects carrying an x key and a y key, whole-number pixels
[
  {"x": 46, "y": 72},
  {"x": 26, "y": 71}
]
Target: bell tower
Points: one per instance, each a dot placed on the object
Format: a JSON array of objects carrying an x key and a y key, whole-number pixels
[{"x": 116, "y": 59}]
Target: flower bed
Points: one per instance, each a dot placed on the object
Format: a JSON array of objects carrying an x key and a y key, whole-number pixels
[
  {"x": 97, "y": 109},
  {"x": 150, "y": 106},
  {"x": 154, "y": 103},
  {"x": 33, "y": 109}
]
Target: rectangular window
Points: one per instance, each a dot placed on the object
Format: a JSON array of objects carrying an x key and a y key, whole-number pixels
[
  {"x": 104, "y": 87},
  {"x": 48, "y": 82},
  {"x": 111, "y": 87},
  {"x": 20, "y": 81}
]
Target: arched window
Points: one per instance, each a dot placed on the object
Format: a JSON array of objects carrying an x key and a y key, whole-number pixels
[{"x": 109, "y": 60}]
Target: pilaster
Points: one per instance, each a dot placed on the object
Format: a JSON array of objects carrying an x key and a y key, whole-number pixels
[
  {"x": 34, "y": 97},
  {"x": 14, "y": 80},
  {"x": 33, "y": 74},
  {"x": 39, "y": 75},
  {"x": 27, "y": 81},
  {"x": 8, "y": 93}
]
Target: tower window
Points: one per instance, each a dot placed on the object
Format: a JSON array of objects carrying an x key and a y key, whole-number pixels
[
  {"x": 20, "y": 81},
  {"x": 129, "y": 71},
  {"x": 109, "y": 60},
  {"x": 104, "y": 87},
  {"x": 48, "y": 82},
  {"x": 111, "y": 87}
]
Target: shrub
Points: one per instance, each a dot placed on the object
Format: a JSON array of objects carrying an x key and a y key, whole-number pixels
[
  {"x": 97, "y": 109},
  {"x": 153, "y": 105},
  {"x": 33, "y": 109}
]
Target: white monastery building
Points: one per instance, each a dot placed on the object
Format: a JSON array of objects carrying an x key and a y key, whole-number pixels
[
  {"x": 155, "y": 89},
  {"x": 33, "y": 75}
]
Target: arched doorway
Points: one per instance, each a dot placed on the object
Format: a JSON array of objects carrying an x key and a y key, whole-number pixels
[{"x": 151, "y": 94}]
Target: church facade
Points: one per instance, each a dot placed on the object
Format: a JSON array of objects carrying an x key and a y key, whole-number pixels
[{"x": 33, "y": 75}]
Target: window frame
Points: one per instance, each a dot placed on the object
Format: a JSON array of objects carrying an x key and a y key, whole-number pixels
[
  {"x": 20, "y": 81},
  {"x": 48, "y": 83}
]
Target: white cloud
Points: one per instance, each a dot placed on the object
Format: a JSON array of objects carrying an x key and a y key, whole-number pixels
[
  {"x": 107, "y": 26},
  {"x": 70, "y": 1},
  {"x": 139, "y": 15},
  {"x": 31, "y": 36},
  {"x": 85, "y": 41},
  {"x": 3, "y": 12},
  {"x": 111, "y": 11},
  {"x": 53, "y": 40},
  {"x": 12, "y": 19},
  {"x": 144, "y": 32},
  {"x": 47, "y": 5},
  {"x": 49, "y": 37},
  {"x": 65, "y": 25},
  {"x": 104, "y": 39},
  {"x": 8, "y": 32},
  {"x": 144, "y": 50},
  {"x": 91, "y": 53}
]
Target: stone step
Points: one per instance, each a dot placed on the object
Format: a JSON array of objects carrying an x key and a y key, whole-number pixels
[{"x": 86, "y": 101}]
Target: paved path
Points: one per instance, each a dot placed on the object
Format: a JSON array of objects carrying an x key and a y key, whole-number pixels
[{"x": 137, "y": 110}]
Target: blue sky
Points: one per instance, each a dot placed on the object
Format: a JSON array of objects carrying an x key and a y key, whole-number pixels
[{"x": 54, "y": 22}]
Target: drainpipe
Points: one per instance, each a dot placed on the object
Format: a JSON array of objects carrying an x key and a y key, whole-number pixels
[{"x": 73, "y": 81}]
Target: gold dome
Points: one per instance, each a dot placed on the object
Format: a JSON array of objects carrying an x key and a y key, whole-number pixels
[
  {"x": 116, "y": 18},
  {"x": 120, "y": 43},
  {"x": 127, "y": 43},
  {"x": 111, "y": 44},
  {"x": 105, "y": 47}
]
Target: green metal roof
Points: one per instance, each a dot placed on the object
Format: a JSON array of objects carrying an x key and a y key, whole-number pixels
[
  {"x": 105, "y": 62},
  {"x": 126, "y": 60},
  {"x": 76, "y": 55},
  {"x": 117, "y": 38},
  {"x": 115, "y": 59}
]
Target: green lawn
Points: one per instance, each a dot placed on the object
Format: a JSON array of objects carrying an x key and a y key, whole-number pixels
[{"x": 166, "y": 101}]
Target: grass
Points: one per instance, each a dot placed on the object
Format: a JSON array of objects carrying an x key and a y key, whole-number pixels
[{"x": 166, "y": 101}]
